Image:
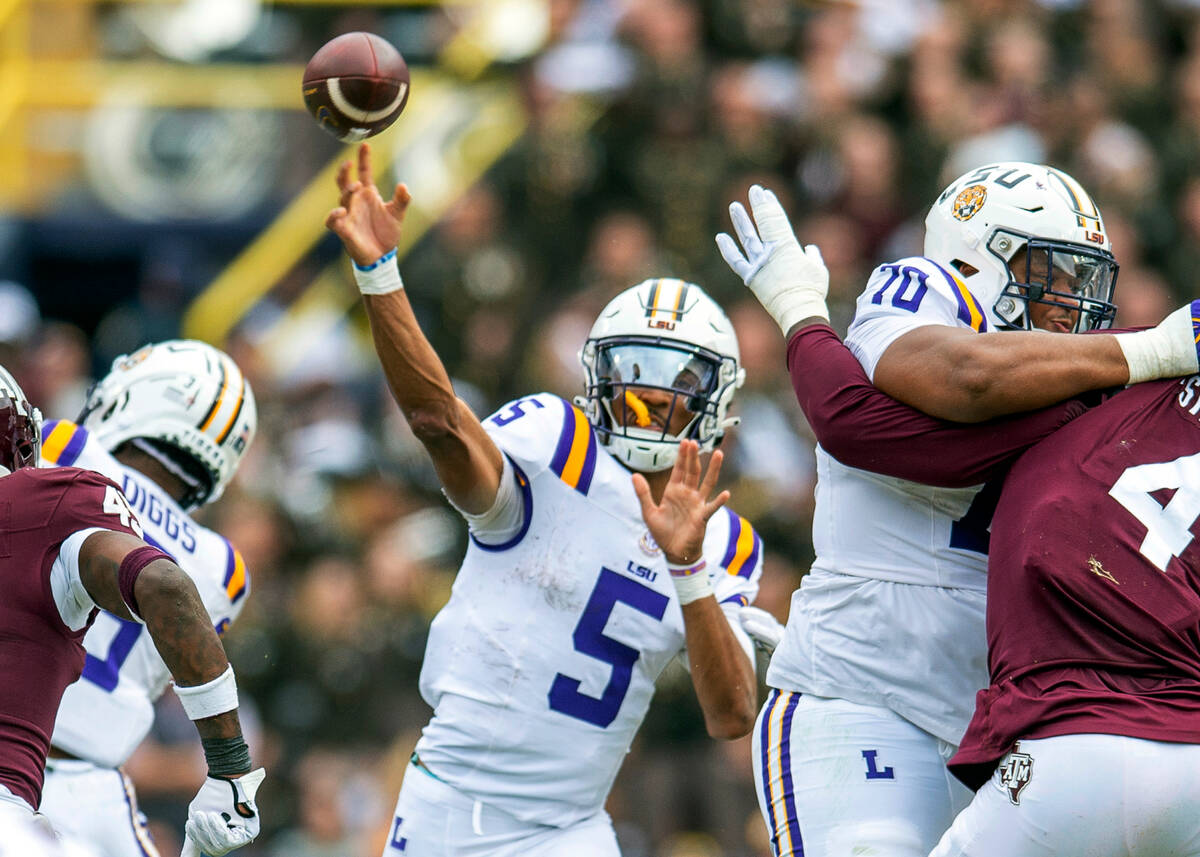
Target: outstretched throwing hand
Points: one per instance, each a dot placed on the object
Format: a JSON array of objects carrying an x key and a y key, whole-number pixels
[
  {"x": 678, "y": 521},
  {"x": 368, "y": 226}
]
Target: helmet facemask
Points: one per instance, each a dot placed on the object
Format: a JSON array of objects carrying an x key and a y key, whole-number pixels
[
  {"x": 641, "y": 388},
  {"x": 1057, "y": 274},
  {"x": 20, "y": 427},
  {"x": 660, "y": 366},
  {"x": 20, "y": 433}
]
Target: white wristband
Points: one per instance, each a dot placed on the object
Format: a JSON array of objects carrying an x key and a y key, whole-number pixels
[
  {"x": 691, "y": 582},
  {"x": 1165, "y": 351},
  {"x": 792, "y": 309},
  {"x": 210, "y": 699},
  {"x": 380, "y": 277}
]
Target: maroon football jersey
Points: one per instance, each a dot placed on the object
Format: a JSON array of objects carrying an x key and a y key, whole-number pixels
[
  {"x": 39, "y": 654},
  {"x": 1093, "y": 610}
]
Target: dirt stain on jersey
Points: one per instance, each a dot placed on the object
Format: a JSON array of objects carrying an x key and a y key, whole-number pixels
[{"x": 1096, "y": 568}]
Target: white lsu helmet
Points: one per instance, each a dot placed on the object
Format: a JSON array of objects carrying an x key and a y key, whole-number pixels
[
  {"x": 985, "y": 217},
  {"x": 183, "y": 402},
  {"x": 663, "y": 334}
]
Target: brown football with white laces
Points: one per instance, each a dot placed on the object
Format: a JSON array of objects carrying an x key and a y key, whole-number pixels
[{"x": 356, "y": 85}]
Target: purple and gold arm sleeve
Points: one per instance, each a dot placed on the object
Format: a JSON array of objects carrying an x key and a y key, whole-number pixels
[{"x": 865, "y": 428}]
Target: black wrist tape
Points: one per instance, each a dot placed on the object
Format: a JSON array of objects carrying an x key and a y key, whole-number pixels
[{"x": 226, "y": 757}]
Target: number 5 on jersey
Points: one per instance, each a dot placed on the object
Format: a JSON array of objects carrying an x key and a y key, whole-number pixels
[
  {"x": 116, "y": 504},
  {"x": 590, "y": 639}
]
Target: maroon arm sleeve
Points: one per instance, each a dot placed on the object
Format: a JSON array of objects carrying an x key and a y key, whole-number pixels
[{"x": 865, "y": 428}]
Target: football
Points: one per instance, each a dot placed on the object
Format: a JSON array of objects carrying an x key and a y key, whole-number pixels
[{"x": 355, "y": 86}]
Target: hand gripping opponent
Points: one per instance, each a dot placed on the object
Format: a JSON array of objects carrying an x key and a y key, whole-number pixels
[
  {"x": 223, "y": 815},
  {"x": 789, "y": 281}
]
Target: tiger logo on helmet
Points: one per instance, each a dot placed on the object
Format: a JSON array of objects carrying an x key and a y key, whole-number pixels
[{"x": 1020, "y": 233}]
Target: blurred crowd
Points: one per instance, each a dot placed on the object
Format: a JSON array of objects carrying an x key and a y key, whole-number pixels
[{"x": 646, "y": 118}]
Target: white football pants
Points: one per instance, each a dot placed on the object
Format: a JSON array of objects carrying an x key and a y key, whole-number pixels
[
  {"x": 434, "y": 819},
  {"x": 97, "y": 806},
  {"x": 835, "y": 779},
  {"x": 1099, "y": 795}
]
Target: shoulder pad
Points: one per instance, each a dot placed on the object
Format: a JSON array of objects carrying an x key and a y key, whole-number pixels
[
  {"x": 733, "y": 543},
  {"x": 546, "y": 432},
  {"x": 917, "y": 284},
  {"x": 62, "y": 441},
  {"x": 236, "y": 579}
]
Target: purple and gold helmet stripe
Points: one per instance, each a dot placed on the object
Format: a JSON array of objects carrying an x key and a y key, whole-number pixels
[
  {"x": 241, "y": 400},
  {"x": 970, "y": 312},
  {"x": 62, "y": 441},
  {"x": 667, "y": 297},
  {"x": 742, "y": 551},
  {"x": 235, "y": 575},
  {"x": 1085, "y": 209},
  {"x": 778, "y": 789},
  {"x": 231, "y": 378},
  {"x": 575, "y": 456},
  {"x": 215, "y": 406}
]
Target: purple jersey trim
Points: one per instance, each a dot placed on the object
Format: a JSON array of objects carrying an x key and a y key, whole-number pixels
[
  {"x": 970, "y": 312},
  {"x": 527, "y": 513}
]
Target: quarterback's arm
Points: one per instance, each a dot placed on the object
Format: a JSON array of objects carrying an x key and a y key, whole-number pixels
[
  {"x": 468, "y": 462},
  {"x": 721, "y": 670},
  {"x": 865, "y": 428}
]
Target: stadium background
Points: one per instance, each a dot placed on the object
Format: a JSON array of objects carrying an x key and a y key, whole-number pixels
[{"x": 158, "y": 178}]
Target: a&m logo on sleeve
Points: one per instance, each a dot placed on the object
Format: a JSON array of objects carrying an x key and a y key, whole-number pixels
[
  {"x": 969, "y": 201},
  {"x": 1016, "y": 770}
]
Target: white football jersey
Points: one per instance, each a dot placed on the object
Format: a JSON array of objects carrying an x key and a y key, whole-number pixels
[
  {"x": 892, "y": 613},
  {"x": 542, "y": 665},
  {"x": 106, "y": 714}
]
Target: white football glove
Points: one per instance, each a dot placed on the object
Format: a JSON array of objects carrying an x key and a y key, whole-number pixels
[
  {"x": 223, "y": 816},
  {"x": 762, "y": 627},
  {"x": 1166, "y": 351},
  {"x": 789, "y": 281}
]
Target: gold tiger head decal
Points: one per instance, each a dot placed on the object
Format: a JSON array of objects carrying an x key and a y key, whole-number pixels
[{"x": 969, "y": 201}]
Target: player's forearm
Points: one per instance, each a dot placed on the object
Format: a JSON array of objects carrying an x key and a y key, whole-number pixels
[
  {"x": 971, "y": 377},
  {"x": 179, "y": 625},
  {"x": 415, "y": 374},
  {"x": 865, "y": 428},
  {"x": 721, "y": 673},
  {"x": 468, "y": 463}
]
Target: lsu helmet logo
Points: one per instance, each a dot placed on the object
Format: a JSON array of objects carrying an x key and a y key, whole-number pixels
[{"x": 969, "y": 201}]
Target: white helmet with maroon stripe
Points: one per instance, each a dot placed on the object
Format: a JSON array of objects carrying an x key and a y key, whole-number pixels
[
  {"x": 984, "y": 218},
  {"x": 20, "y": 427},
  {"x": 665, "y": 335},
  {"x": 183, "y": 402}
]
